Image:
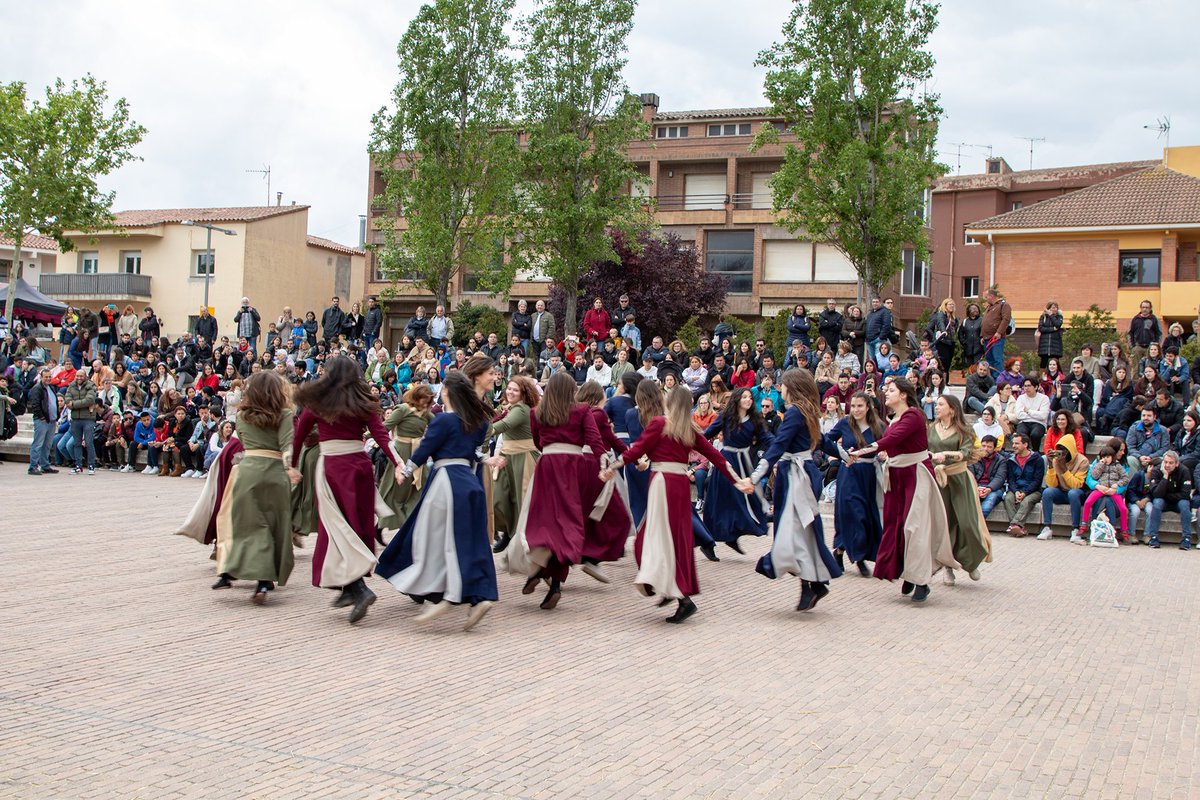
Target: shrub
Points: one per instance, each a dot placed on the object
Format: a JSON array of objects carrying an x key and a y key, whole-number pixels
[
  {"x": 689, "y": 333},
  {"x": 1096, "y": 325},
  {"x": 469, "y": 318}
]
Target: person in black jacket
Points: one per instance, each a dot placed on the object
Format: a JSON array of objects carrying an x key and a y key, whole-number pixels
[
  {"x": 418, "y": 326},
  {"x": 332, "y": 319},
  {"x": 372, "y": 323},
  {"x": 829, "y": 323},
  {"x": 206, "y": 325},
  {"x": 522, "y": 324},
  {"x": 44, "y": 403},
  {"x": 969, "y": 333},
  {"x": 1170, "y": 489},
  {"x": 1050, "y": 342}
]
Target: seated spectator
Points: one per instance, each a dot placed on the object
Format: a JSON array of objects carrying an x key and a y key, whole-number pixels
[
  {"x": 1150, "y": 382},
  {"x": 826, "y": 372},
  {"x": 1032, "y": 414},
  {"x": 743, "y": 376},
  {"x": 991, "y": 475},
  {"x": 869, "y": 373},
  {"x": 1168, "y": 410},
  {"x": 846, "y": 361},
  {"x": 1012, "y": 374},
  {"x": 1066, "y": 476},
  {"x": 1138, "y": 503},
  {"x": 600, "y": 373},
  {"x": 933, "y": 386},
  {"x": 695, "y": 377},
  {"x": 1153, "y": 358},
  {"x": 648, "y": 370},
  {"x": 766, "y": 391},
  {"x": 832, "y": 413},
  {"x": 1170, "y": 489},
  {"x": 704, "y": 415},
  {"x": 986, "y": 425},
  {"x": 1023, "y": 486},
  {"x": 718, "y": 394},
  {"x": 1129, "y": 416},
  {"x": 1175, "y": 373},
  {"x": 1147, "y": 440},
  {"x": 980, "y": 387},
  {"x": 843, "y": 390},
  {"x": 894, "y": 368},
  {"x": 1187, "y": 441},
  {"x": 1064, "y": 425},
  {"x": 771, "y": 417},
  {"x": 1106, "y": 478}
]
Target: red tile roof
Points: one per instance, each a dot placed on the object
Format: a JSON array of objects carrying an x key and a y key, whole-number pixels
[
  {"x": 714, "y": 113},
  {"x": 1156, "y": 196},
  {"x": 148, "y": 217},
  {"x": 32, "y": 242},
  {"x": 328, "y": 244}
]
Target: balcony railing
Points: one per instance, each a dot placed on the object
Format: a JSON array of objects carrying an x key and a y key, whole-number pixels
[
  {"x": 104, "y": 285},
  {"x": 692, "y": 202},
  {"x": 743, "y": 201}
]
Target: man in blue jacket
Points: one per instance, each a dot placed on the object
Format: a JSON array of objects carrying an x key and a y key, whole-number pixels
[
  {"x": 879, "y": 325},
  {"x": 1026, "y": 469},
  {"x": 1147, "y": 440}
]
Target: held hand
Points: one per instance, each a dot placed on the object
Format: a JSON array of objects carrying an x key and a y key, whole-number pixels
[
  {"x": 745, "y": 486},
  {"x": 939, "y": 458},
  {"x": 643, "y": 464},
  {"x": 496, "y": 462},
  {"x": 293, "y": 475},
  {"x": 400, "y": 478},
  {"x": 608, "y": 474}
]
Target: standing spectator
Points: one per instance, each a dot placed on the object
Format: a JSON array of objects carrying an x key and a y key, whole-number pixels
[
  {"x": 596, "y": 321},
  {"x": 43, "y": 403},
  {"x": 942, "y": 331},
  {"x": 1049, "y": 334},
  {"x": 994, "y": 328},
  {"x": 991, "y": 475},
  {"x": 81, "y": 399},
  {"x": 352, "y": 323},
  {"x": 854, "y": 331},
  {"x": 372, "y": 322},
  {"x": 1174, "y": 337},
  {"x": 127, "y": 323},
  {"x": 285, "y": 319},
  {"x": 879, "y": 326},
  {"x": 418, "y": 325},
  {"x": 89, "y": 326},
  {"x": 332, "y": 319},
  {"x": 830, "y": 323},
  {"x": 542, "y": 324},
  {"x": 522, "y": 325},
  {"x": 248, "y": 324},
  {"x": 1143, "y": 331},
  {"x": 970, "y": 334},
  {"x": 798, "y": 326},
  {"x": 624, "y": 309},
  {"x": 1026, "y": 469},
  {"x": 632, "y": 334},
  {"x": 206, "y": 325}
]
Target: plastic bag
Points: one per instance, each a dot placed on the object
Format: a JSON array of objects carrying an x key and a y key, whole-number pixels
[
  {"x": 1102, "y": 533},
  {"x": 829, "y": 492}
]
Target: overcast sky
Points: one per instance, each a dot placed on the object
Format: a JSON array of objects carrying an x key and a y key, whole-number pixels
[{"x": 224, "y": 87}]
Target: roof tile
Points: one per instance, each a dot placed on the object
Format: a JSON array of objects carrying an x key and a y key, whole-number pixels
[
  {"x": 31, "y": 241},
  {"x": 329, "y": 244},
  {"x": 147, "y": 217}
]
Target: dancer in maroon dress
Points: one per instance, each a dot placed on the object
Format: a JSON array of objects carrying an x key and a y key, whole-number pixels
[
  {"x": 551, "y": 529},
  {"x": 609, "y": 524},
  {"x": 341, "y": 407},
  {"x": 916, "y": 539},
  {"x": 664, "y": 544}
]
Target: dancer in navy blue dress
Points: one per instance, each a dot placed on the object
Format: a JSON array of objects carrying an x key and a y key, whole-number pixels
[
  {"x": 799, "y": 546},
  {"x": 441, "y": 554},
  {"x": 728, "y": 513},
  {"x": 621, "y": 403},
  {"x": 856, "y": 520}
]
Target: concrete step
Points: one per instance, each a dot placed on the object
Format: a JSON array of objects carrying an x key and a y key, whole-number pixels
[{"x": 1169, "y": 530}]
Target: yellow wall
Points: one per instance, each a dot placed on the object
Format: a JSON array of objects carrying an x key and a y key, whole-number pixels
[
  {"x": 279, "y": 271},
  {"x": 1183, "y": 159}
]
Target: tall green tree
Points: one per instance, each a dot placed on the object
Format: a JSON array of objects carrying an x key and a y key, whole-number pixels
[
  {"x": 52, "y": 151},
  {"x": 449, "y": 154},
  {"x": 849, "y": 80},
  {"x": 580, "y": 119}
]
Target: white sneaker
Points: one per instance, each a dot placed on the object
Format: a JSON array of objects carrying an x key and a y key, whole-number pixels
[
  {"x": 200, "y": 475},
  {"x": 434, "y": 611},
  {"x": 188, "y": 474},
  {"x": 595, "y": 571},
  {"x": 973, "y": 574},
  {"x": 1077, "y": 539},
  {"x": 948, "y": 577},
  {"x": 126, "y": 468},
  {"x": 1046, "y": 534},
  {"x": 148, "y": 470},
  {"x": 476, "y": 613}
]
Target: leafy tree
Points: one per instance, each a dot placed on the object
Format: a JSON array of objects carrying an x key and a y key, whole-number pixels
[
  {"x": 689, "y": 333},
  {"x": 1095, "y": 325},
  {"x": 469, "y": 318},
  {"x": 665, "y": 281},
  {"x": 51, "y": 153},
  {"x": 580, "y": 121},
  {"x": 848, "y": 79},
  {"x": 448, "y": 162}
]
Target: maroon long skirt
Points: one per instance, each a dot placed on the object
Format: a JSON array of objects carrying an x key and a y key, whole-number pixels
[
  {"x": 897, "y": 501},
  {"x": 556, "y": 510},
  {"x": 604, "y": 539},
  {"x": 352, "y": 480},
  {"x": 679, "y": 512}
]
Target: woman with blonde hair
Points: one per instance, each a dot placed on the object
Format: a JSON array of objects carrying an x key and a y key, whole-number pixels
[
  {"x": 254, "y": 523},
  {"x": 406, "y": 423},
  {"x": 952, "y": 444},
  {"x": 520, "y": 456},
  {"x": 664, "y": 544},
  {"x": 942, "y": 331},
  {"x": 799, "y": 545}
]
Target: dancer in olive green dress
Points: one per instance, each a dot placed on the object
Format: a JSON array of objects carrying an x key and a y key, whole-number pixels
[
  {"x": 951, "y": 443},
  {"x": 406, "y": 423},
  {"x": 520, "y": 455},
  {"x": 254, "y": 524}
]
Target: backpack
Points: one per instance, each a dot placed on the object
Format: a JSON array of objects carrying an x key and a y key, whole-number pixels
[{"x": 9, "y": 429}]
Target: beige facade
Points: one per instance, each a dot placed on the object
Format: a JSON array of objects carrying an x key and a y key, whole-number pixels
[
  {"x": 152, "y": 259},
  {"x": 38, "y": 256}
]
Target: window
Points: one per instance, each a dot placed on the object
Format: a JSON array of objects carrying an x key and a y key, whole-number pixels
[
  {"x": 831, "y": 264},
  {"x": 131, "y": 262},
  {"x": 761, "y": 195},
  {"x": 780, "y": 127},
  {"x": 89, "y": 263},
  {"x": 787, "y": 260},
  {"x": 203, "y": 263},
  {"x": 703, "y": 192},
  {"x": 731, "y": 253},
  {"x": 1140, "y": 267},
  {"x": 729, "y": 129},
  {"x": 967, "y": 238},
  {"x": 915, "y": 279},
  {"x": 971, "y": 287},
  {"x": 1017, "y": 205},
  {"x": 672, "y": 132}
]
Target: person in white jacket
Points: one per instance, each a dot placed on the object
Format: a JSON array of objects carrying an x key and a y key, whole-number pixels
[
  {"x": 600, "y": 372},
  {"x": 1032, "y": 413}
]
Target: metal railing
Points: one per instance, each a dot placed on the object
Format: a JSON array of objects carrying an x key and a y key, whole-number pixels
[
  {"x": 692, "y": 202},
  {"x": 751, "y": 200},
  {"x": 100, "y": 284}
]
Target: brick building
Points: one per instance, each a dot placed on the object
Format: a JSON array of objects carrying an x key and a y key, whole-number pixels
[
  {"x": 1113, "y": 244},
  {"x": 960, "y": 265},
  {"x": 710, "y": 190}
]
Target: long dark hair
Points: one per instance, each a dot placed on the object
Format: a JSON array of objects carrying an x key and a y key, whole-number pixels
[
  {"x": 557, "y": 400},
  {"x": 731, "y": 415},
  {"x": 470, "y": 408},
  {"x": 341, "y": 392},
  {"x": 873, "y": 421}
]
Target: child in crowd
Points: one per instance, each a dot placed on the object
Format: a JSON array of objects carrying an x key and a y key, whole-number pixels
[{"x": 1109, "y": 479}]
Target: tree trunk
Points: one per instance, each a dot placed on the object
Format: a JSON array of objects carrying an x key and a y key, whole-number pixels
[
  {"x": 14, "y": 274},
  {"x": 570, "y": 324}
]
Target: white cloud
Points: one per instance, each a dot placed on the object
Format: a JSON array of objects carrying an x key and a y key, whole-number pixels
[{"x": 229, "y": 86}]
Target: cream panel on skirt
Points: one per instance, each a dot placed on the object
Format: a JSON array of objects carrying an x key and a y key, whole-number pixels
[{"x": 656, "y": 568}]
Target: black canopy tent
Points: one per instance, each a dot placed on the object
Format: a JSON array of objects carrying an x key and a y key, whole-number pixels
[{"x": 33, "y": 306}]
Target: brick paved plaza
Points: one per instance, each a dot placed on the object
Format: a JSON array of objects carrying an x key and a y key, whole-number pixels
[{"x": 1066, "y": 672}]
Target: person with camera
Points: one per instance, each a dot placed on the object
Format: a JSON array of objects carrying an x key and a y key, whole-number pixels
[
  {"x": 248, "y": 324},
  {"x": 1066, "y": 477}
]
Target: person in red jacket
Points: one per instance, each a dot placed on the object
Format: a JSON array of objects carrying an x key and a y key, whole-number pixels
[{"x": 596, "y": 321}]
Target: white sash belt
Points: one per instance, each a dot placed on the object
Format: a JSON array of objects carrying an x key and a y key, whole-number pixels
[
  {"x": 341, "y": 447},
  {"x": 669, "y": 467},
  {"x": 562, "y": 448},
  {"x": 746, "y": 468},
  {"x": 799, "y": 486},
  {"x": 452, "y": 462}
]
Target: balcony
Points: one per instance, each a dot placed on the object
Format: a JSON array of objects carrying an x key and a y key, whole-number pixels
[
  {"x": 691, "y": 209},
  {"x": 95, "y": 286}
]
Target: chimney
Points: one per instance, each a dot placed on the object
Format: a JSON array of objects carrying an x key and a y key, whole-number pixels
[
  {"x": 278, "y": 198},
  {"x": 649, "y": 106},
  {"x": 997, "y": 166},
  {"x": 362, "y": 230}
]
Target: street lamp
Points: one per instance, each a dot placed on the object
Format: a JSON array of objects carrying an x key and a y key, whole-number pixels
[{"x": 208, "y": 249}]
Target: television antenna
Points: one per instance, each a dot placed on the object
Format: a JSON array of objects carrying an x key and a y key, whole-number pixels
[
  {"x": 1031, "y": 140},
  {"x": 958, "y": 148},
  {"x": 266, "y": 173},
  {"x": 1163, "y": 126}
]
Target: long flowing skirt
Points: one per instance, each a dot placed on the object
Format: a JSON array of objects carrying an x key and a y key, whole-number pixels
[
  {"x": 968, "y": 531},
  {"x": 399, "y": 498},
  {"x": 856, "y": 520},
  {"x": 728, "y": 513},
  {"x": 351, "y": 480},
  {"x": 605, "y": 538},
  {"x": 798, "y": 547},
  {"x": 304, "y": 497},
  {"x": 638, "y": 482},
  {"x": 550, "y": 531},
  {"x": 509, "y": 489},
  {"x": 441, "y": 551},
  {"x": 254, "y": 525},
  {"x": 201, "y": 523},
  {"x": 916, "y": 539},
  {"x": 664, "y": 544}
]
